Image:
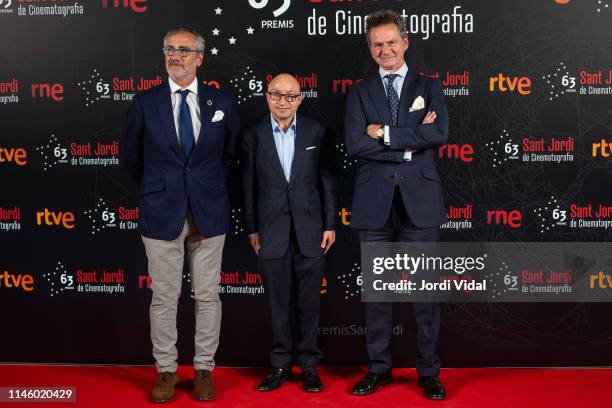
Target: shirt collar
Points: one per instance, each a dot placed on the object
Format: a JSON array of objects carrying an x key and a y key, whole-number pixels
[
  {"x": 401, "y": 72},
  {"x": 275, "y": 126},
  {"x": 193, "y": 87}
]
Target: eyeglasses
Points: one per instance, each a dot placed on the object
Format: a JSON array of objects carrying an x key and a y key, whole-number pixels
[
  {"x": 182, "y": 51},
  {"x": 275, "y": 96}
]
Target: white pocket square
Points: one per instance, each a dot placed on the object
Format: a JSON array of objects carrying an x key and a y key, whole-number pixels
[
  {"x": 311, "y": 147},
  {"x": 418, "y": 104},
  {"x": 218, "y": 116}
]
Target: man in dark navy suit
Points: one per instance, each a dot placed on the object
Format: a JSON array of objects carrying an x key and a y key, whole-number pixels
[
  {"x": 290, "y": 194},
  {"x": 179, "y": 147},
  {"x": 395, "y": 121}
]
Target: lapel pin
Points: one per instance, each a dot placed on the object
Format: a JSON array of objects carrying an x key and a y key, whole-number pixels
[{"x": 209, "y": 102}]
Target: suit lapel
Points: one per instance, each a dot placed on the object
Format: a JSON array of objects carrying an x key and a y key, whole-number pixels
[
  {"x": 266, "y": 138},
  {"x": 302, "y": 132},
  {"x": 379, "y": 97},
  {"x": 164, "y": 110},
  {"x": 206, "y": 99},
  {"x": 407, "y": 96}
]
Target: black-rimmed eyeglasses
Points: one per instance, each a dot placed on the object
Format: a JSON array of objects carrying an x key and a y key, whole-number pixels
[
  {"x": 276, "y": 96},
  {"x": 182, "y": 51}
]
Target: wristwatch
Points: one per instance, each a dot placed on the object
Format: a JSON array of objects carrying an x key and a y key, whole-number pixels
[{"x": 380, "y": 133}]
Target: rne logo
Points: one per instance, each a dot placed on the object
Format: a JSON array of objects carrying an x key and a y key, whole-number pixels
[{"x": 137, "y": 6}]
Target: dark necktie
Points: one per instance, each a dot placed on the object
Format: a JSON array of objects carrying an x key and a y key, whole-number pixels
[
  {"x": 392, "y": 97},
  {"x": 185, "y": 125}
]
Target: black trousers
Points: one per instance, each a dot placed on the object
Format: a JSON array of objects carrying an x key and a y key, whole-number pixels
[
  {"x": 293, "y": 287},
  {"x": 379, "y": 315}
]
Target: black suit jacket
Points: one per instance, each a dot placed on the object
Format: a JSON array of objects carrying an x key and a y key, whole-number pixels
[
  {"x": 169, "y": 182},
  {"x": 379, "y": 165},
  {"x": 270, "y": 202}
]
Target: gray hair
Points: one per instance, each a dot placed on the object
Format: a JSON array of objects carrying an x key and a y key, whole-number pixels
[
  {"x": 187, "y": 29},
  {"x": 384, "y": 17}
]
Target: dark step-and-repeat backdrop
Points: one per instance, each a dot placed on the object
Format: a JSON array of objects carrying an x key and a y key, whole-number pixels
[{"x": 528, "y": 90}]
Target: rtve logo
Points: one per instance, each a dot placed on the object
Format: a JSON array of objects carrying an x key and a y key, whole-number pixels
[
  {"x": 53, "y": 91},
  {"x": 344, "y": 215},
  {"x": 18, "y": 156},
  {"x": 602, "y": 147},
  {"x": 55, "y": 218},
  {"x": 512, "y": 218},
  {"x": 137, "y": 6},
  {"x": 259, "y": 4},
  {"x": 603, "y": 280},
  {"x": 23, "y": 282},
  {"x": 504, "y": 83}
]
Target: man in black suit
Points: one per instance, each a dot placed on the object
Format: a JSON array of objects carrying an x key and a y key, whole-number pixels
[
  {"x": 289, "y": 192},
  {"x": 395, "y": 121}
]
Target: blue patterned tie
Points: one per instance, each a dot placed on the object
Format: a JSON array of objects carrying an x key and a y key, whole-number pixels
[
  {"x": 392, "y": 97},
  {"x": 185, "y": 125}
]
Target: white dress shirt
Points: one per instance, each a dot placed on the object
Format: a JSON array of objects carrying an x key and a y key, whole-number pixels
[
  {"x": 285, "y": 144},
  {"x": 397, "y": 85},
  {"x": 192, "y": 102}
]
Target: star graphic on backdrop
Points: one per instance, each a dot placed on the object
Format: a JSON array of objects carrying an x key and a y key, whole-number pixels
[
  {"x": 599, "y": 4},
  {"x": 216, "y": 31},
  {"x": 218, "y": 11},
  {"x": 214, "y": 51},
  {"x": 546, "y": 213},
  {"x": 236, "y": 220},
  {"x": 96, "y": 214},
  {"x": 243, "y": 83},
  {"x": 232, "y": 41},
  {"x": 250, "y": 30},
  {"x": 49, "y": 155},
  {"x": 52, "y": 279},
  {"x": 552, "y": 79},
  {"x": 89, "y": 85}
]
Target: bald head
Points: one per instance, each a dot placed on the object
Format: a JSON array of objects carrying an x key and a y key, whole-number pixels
[
  {"x": 284, "y": 81},
  {"x": 283, "y": 87}
]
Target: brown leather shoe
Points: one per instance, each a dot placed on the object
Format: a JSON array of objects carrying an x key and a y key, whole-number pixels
[
  {"x": 164, "y": 387},
  {"x": 203, "y": 387}
]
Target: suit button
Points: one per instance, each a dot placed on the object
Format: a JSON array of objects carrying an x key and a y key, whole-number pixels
[
  {"x": 290, "y": 190},
  {"x": 187, "y": 169}
]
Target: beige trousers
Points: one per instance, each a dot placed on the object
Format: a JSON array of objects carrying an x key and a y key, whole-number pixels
[{"x": 165, "y": 259}]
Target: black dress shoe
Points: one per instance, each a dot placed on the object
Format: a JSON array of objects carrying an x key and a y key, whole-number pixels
[
  {"x": 274, "y": 380},
  {"x": 370, "y": 382},
  {"x": 432, "y": 387},
  {"x": 311, "y": 380}
]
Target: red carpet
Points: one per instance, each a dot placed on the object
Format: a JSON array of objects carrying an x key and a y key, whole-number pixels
[{"x": 117, "y": 387}]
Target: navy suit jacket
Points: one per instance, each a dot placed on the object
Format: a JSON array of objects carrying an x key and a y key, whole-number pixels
[
  {"x": 169, "y": 182},
  {"x": 270, "y": 202},
  {"x": 379, "y": 166}
]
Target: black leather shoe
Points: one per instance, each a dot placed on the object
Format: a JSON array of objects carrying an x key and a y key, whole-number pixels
[
  {"x": 432, "y": 387},
  {"x": 370, "y": 382},
  {"x": 311, "y": 380},
  {"x": 274, "y": 380}
]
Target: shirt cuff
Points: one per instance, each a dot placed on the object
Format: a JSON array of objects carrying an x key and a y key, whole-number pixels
[
  {"x": 407, "y": 155},
  {"x": 387, "y": 140}
]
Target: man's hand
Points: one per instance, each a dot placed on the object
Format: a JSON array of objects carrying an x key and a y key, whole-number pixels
[
  {"x": 329, "y": 237},
  {"x": 429, "y": 118},
  {"x": 372, "y": 129},
  {"x": 254, "y": 241}
]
